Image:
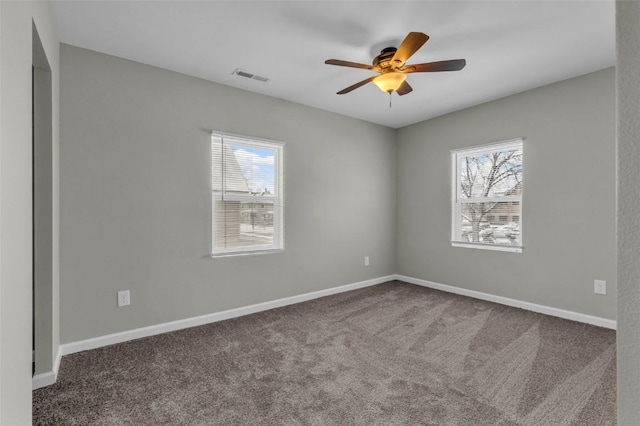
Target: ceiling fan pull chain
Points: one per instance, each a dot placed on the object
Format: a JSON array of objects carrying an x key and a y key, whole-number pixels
[{"x": 389, "y": 99}]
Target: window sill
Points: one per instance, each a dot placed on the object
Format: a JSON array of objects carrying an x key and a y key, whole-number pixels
[
  {"x": 494, "y": 247},
  {"x": 245, "y": 253}
]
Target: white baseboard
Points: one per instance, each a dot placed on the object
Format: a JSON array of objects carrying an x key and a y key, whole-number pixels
[
  {"x": 45, "y": 379},
  {"x": 542, "y": 309},
  {"x": 124, "y": 336}
]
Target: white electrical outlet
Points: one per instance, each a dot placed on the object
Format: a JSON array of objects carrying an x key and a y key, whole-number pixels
[
  {"x": 599, "y": 287},
  {"x": 366, "y": 261},
  {"x": 124, "y": 298}
]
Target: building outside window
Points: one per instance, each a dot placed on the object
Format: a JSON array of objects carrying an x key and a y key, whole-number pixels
[{"x": 247, "y": 194}]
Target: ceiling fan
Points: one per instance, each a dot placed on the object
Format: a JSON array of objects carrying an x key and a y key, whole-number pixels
[{"x": 391, "y": 66}]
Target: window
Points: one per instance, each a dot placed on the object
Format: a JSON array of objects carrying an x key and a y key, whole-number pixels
[
  {"x": 487, "y": 184},
  {"x": 247, "y": 199}
]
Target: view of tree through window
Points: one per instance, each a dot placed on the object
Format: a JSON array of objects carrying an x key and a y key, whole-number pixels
[{"x": 488, "y": 194}]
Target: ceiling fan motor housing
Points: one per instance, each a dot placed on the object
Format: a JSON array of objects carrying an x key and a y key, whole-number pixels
[{"x": 383, "y": 60}]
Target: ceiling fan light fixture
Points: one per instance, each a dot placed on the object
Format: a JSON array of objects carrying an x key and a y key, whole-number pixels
[{"x": 390, "y": 81}]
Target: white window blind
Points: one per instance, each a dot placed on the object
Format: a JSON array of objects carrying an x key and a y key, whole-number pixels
[
  {"x": 487, "y": 196},
  {"x": 247, "y": 198}
]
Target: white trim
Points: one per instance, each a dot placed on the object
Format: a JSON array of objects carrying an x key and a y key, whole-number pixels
[
  {"x": 42, "y": 380},
  {"x": 276, "y": 199},
  {"x": 457, "y": 201},
  {"x": 49, "y": 378},
  {"x": 261, "y": 142},
  {"x": 124, "y": 336},
  {"x": 496, "y": 247},
  {"x": 494, "y": 146},
  {"x": 217, "y": 255},
  {"x": 547, "y": 310}
]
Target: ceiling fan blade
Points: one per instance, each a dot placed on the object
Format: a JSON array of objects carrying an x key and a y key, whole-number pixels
[
  {"x": 347, "y": 64},
  {"x": 451, "y": 65},
  {"x": 355, "y": 86},
  {"x": 410, "y": 45},
  {"x": 404, "y": 88}
]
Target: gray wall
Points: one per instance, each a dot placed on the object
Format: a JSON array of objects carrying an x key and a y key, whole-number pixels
[
  {"x": 628, "y": 91},
  {"x": 135, "y": 201},
  {"x": 16, "y": 22},
  {"x": 568, "y": 200},
  {"x": 42, "y": 209}
]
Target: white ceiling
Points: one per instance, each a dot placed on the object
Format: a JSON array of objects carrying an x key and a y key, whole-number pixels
[{"x": 510, "y": 46}]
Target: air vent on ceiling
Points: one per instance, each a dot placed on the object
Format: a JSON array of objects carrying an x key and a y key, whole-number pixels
[{"x": 245, "y": 74}]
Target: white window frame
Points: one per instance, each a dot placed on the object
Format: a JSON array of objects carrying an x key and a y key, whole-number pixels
[
  {"x": 277, "y": 200},
  {"x": 456, "y": 205}
]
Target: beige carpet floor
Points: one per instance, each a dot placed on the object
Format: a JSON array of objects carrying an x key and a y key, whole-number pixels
[{"x": 392, "y": 354}]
